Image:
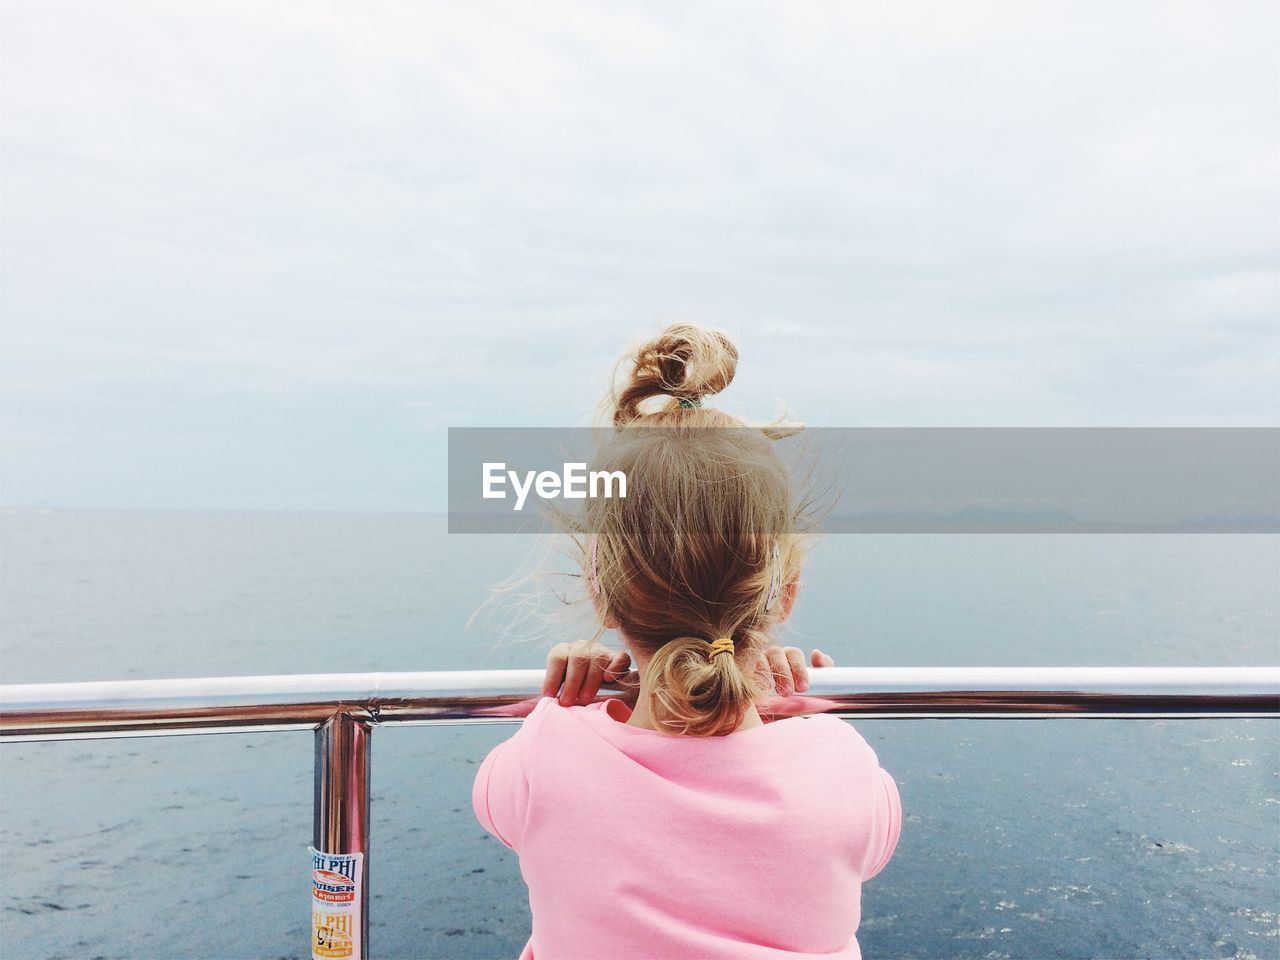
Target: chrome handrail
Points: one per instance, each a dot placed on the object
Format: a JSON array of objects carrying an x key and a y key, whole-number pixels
[
  {"x": 129, "y": 708},
  {"x": 343, "y": 709}
]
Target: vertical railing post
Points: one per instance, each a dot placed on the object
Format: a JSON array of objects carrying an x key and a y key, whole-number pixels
[{"x": 342, "y": 800}]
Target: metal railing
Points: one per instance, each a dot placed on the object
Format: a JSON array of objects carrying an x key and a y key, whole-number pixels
[{"x": 343, "y": 709}]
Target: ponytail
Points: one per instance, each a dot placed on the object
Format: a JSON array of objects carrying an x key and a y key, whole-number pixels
[{"x": 691, "y": 695}]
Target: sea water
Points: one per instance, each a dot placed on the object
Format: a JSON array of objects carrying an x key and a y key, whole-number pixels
[{"x": 1045, "y": 838}]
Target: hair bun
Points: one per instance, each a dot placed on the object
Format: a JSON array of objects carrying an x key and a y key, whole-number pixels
[{"x": 685, "y": 362}]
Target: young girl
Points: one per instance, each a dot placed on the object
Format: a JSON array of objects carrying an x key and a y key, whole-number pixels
[{"x": 686, "y": 826}]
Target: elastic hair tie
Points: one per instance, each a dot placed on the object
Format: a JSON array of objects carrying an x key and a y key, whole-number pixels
[
  {"x": 688, "y": 403},
  {"x": 722, "y": 645}
]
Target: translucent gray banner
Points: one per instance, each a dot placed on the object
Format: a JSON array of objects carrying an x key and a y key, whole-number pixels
[{"x": 912, "y": 480}]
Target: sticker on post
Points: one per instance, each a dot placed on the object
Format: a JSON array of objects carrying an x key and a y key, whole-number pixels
[{"x": 336, "y": 896}]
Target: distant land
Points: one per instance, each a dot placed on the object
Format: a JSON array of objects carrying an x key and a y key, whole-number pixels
[{"x": 985, "y": 519}]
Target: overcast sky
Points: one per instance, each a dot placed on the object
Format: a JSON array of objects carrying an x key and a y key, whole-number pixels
[{"x": 261, "y": 255}]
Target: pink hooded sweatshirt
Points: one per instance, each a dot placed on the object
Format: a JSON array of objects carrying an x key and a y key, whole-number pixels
[{"x": 635, "y": 844}]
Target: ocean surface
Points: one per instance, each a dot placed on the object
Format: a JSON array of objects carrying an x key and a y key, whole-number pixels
[{"x": 1046, "y": 838}]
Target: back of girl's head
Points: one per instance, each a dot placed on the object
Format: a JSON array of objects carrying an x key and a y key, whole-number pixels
[{"x": 705, "y": 539}]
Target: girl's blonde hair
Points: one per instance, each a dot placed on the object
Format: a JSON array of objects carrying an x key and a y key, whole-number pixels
[{"x": 708, "y": 534}]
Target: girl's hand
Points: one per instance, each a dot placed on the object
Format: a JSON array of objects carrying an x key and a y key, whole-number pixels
[
  {"x": 785, "y": 668},
  {"x": 578, "y": 670},
  {"x": 582, "y": 667}
]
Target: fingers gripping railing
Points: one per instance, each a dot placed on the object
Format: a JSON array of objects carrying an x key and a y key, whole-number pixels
[{"x": 344, "y": 708}]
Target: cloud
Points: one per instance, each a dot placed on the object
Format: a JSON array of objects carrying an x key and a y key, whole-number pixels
[{"x": 910, "y": 213}]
